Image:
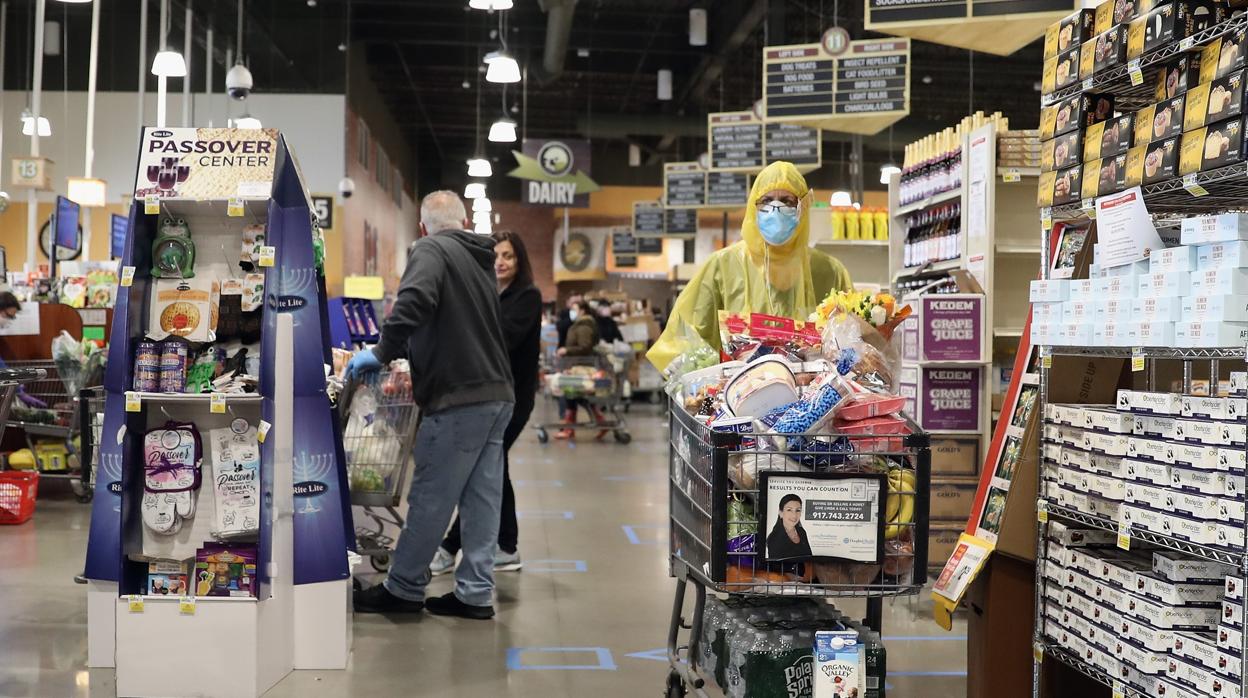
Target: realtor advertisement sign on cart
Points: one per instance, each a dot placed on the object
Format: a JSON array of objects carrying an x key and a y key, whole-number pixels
[{"x": 827, "y": 515}]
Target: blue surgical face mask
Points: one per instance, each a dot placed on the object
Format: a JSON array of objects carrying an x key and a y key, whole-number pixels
[{"x": 777, "y": 223}]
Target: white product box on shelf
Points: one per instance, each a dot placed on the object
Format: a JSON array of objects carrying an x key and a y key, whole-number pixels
[
  {"x": 1052, "y": 452},
  {"x": 1073, "y": 335},
  {"x": 1233, "y": 587},
  {"x": 1222, "y": 254},
  {"x": 1105, "y": 508},
  {"x": 1049, "y": 290},
  {"x": 1179, "y": 258},
  {"x": 1077, "y": 603},
  {"x": 1199, "y": 431},
  {"x": 1169, "y": 689},
  {"x": 1083, "y": 290},
  {"x": 1177, "y": 593},
  {"x": 1210, "y": 482},
  {"x": 1119, "y": 568},
  {"x": 1229, "y": 665},
  {"x": 1194, "y": 455},
  {"x": 1151, "y": 496},
  {"x": 1163, "y": 284},
  {"x": 1231, "y": 535},
  {"x": 1200, "y": 335},
  {"x": 1071, "y": 436},
  {"x": 1197, "y": 506},
  {"x": 1157, "y": 309},
  {"x": 1188, "y": 673},
  {"x": 1074, "y": 536},
  {"x": 1114, "y": 599},
  {"x": 1164, "y": 615},
  {"x": 1201, "y": 648},
  {"x": 1146, "y": 634},
  {"x": 1147, "y": 471},
  {"x": 1234, "y": 483},
  {"x": 1233, "y": 433},
  {"x": 1111, "y": 333},
  {"x": 1219, "y": 281},
  {"x": 1178, "y": 567},
  {"x": 1076, "y": 459},
  {"x": 1052, "y": 572},
  {"x": 1214, "y": 308},
  {"x": 1047, "y": 312},
  {"x": 1071, "y": 499},
  {"x": 1144, "y": 660},
  {"x": 1114, "y": 287},
  {"x": 1108, "y": 444},
  {"x": 1224, "y": 227},
  {"x": 1117, "y": 309},
  {"x": 1158, "y": 333},
  {"x": 1209, "y": 407},
  {"x": 1239, "y": 382},
  {"x": 1043, "y": 333},
  {"x": 1231, "y": 510},
  {"x": 1232, "y": 459},
  {"x": 1233, "y": 613},
  {"x": 1151, "y": 425},
  {"x": 1230, "y": 637},
  {"x": 1107, "y": 419},
  {"x": 1080, "y": 582},
  {"x": 1107, "y": 465},
  {"x": 1084, "y": 561},
  {"x": 1071, "y": 478},
  {"x": 1189, "y": 529},
  {"x": 1070, "y": 415},
  {"x": 1104, "y": 486},
  {"x": 1082, "y": 311},
  {"x": 1143, "y": 518},
  {"x": 1149, "y": 402},
  {"x": 1132, "y": 677},
  {"x": 1146, "y": 448}
]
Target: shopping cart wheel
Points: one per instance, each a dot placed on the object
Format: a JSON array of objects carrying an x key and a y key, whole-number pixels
[
  {"x": 381, "y": 563},
  {"x": 84, "y": 497},
  {"x": 623, "y": 437},
  {"x": 542, "y": 436},
  {"x": 675, "y": 686}
]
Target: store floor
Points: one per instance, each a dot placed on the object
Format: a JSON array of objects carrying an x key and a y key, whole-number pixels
[{"x": 588, "y": 616}]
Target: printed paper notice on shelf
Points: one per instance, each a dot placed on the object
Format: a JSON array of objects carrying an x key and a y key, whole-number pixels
[{"x": 1125, "y": 233}]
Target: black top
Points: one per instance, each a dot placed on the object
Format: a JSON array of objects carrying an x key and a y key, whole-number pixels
[
  {"x": 608, "y": 329},
  {"x": 446, "y": 321},
  {"x": 562, "y": 323},
  {"x": 522, "y": 331},
  {"x": 781, "y": 547}
]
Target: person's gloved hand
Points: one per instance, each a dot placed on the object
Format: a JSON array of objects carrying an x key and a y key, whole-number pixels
[{"x": 362, "y": 362}]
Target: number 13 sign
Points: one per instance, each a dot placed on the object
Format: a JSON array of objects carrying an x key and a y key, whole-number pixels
[{"x": 32, "y": 172}]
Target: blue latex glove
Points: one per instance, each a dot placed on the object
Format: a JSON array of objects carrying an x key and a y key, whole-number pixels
[{"x": 362, "y": 362}]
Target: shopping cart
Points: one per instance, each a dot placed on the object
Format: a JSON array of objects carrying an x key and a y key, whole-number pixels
[
  {"x": 46, "y": 413},
  {"x": 17, "y": 489},
  {"x": 716, "y": 481},
  {"x": 379, "y": 427},
  {"x": 593, "y": 381}
]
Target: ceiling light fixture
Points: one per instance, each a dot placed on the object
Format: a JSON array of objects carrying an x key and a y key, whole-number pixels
[
  {"x": 841, "y": 198},
  {"x": 247, "y": 121},
  {"x": 886, "y": 171},
  {"x": 482, "y": 205},
  {"x": 490, "y": 5},
  {"x": 28, "y": 125},
  {"x": 480, "y": 167},
  {"x": 483, "y": 228},
  {"x": 474, "y": 190},
  {"x": 665, "y": 85},
  {"x": 503, "y": 131},
  {"x": 501, "y": 68},
  {"x": 169, "y": 64},
  {"x": 479, "y": 217}
]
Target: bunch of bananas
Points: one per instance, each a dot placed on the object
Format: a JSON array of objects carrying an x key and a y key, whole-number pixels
[{"x": 899, "y": 507}]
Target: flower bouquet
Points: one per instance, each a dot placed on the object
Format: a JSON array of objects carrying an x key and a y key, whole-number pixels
[{"x": 863, "y": 322}]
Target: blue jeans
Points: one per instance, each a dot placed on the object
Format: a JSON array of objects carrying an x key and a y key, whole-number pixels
[{"x": 459, "y": 461}]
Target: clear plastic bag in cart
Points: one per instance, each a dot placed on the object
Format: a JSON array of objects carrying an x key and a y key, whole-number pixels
[
  {"x": 878, "y": 365},
  {"x": 373, "y": 447}
]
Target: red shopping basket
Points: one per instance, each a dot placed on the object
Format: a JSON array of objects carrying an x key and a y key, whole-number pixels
[{"x": 17, "y": 496}]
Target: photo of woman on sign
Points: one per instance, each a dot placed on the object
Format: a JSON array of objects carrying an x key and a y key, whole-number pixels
[{"x": 788, "y": 539}]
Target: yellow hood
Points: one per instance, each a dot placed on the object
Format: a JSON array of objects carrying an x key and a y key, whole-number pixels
[{"x": 777, "y": 175}]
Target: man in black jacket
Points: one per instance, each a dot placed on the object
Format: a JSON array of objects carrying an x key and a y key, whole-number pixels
[{"x": 446, "y": 322}]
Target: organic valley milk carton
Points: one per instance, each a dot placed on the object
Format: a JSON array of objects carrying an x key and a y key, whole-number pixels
[{"x": 839, "y": 667}]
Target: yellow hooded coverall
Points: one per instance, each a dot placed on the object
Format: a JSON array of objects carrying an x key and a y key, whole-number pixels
[{"x": 752, "y": 276}]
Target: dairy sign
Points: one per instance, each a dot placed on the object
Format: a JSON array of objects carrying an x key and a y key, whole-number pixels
[
  {"x": 555, "y": 172},
  {"x": 206, "y": 163}
]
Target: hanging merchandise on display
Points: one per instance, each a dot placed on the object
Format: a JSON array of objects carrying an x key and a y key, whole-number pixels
[
  {"x": 852, "y": 87},
  {"x": 999, "y": 27},
  {"x": 556, "y": 172}
]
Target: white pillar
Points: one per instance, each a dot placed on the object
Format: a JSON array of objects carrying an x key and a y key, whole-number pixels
[
  {"x": 89, "y": 155},
  {"x": 32, "y": 199}
]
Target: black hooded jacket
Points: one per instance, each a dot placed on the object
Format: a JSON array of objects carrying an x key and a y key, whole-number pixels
[{"x": 446, "y": 322}]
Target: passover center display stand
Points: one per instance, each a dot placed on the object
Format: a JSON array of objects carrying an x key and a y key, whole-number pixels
[{"x": 299, "y": 616}]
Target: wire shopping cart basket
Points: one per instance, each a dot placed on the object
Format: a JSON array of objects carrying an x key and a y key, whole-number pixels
[
  {"x": 17, "y": 489},
  {"x": 44, "y": 410},
  {"x": 729, "y": 494},
  {"x": 379, "y": 427},
  {"x": 595, "y": 383}
]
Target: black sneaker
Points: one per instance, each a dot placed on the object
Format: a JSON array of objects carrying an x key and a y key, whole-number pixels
[
  {"x": 378, "y": 599},
  {"x": 450, "y": 605}
]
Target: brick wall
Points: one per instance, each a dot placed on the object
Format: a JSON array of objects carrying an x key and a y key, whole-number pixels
[{"x": 536, "y": 226}]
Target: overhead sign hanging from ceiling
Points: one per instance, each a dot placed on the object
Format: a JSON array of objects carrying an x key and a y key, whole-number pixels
[
  {"x": 556, "y": 172},
  {"x": 739, "y": 141},
  {"x": 839, "y": 85},
  {"x": 689, "y": 185},
  {"x": 647, "y": 219},
  {"x": 999, "y": 27}
]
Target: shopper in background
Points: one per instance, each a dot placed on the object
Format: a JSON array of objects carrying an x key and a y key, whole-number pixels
[
  {"x": 9, "y": 308},
  {"x": 521, "y": 304},
  {"x": 771, "y": 270},
  {"x": 567, "y": 316},
  {"x": 581, "y": 342},
  {"x": 608, "y": 328},
  {"x": 446, "y": 322}
]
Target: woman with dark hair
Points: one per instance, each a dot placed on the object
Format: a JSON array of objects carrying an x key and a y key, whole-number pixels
[
  {"x": 521, "y": 305},
  {"x": 787, "y": 539}
]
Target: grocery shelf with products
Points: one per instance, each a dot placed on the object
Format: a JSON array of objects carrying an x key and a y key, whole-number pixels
[
  {"x": 1140, "y": 550},
  {"x": 858, "y": 237}
]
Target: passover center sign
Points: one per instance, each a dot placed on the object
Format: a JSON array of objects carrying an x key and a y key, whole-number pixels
[
  {"x": 556, "y": 172},
  {"x": 206, "y": 163}
]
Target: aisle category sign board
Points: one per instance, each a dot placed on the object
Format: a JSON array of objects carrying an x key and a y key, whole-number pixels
[
  {"x": 680, "y": 223},
  {"x": 800, "y": 145},
  {"x": 688, "y": 185},
  {"x": 740, "y": 141},
  {"x": 848, "y": 86},
  {"x": 624, "y": 247},
  {"x": 999, "y": 27},
  {"x": 727, "y": 188},
  {"x": 647, "y": 220}
]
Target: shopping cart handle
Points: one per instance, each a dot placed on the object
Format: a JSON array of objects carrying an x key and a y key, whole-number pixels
[{"x": 22, "y": 375}]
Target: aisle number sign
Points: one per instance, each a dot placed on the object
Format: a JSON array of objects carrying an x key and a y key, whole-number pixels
[
  {"x": 741, "y": 141},
  {"x": 853, "y": 87},
  {"x": 32, "y": 172}
]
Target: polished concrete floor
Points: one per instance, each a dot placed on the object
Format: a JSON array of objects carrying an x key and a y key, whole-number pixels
[{"x": 587, "y": 616}]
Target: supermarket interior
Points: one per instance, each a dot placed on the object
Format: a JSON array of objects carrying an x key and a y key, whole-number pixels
[{"x": 740, "y": 349}]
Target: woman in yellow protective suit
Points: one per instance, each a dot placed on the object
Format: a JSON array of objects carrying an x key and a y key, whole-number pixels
[{"x": 771, "y": 270}]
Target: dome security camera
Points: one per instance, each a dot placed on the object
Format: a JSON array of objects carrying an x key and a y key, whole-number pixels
[
  {"x": 238, "y": 82},
  {"x": 346, "y": 187}
]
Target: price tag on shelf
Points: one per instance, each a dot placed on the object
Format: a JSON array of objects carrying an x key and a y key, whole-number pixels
[
  {"x": 216, "y": 403},
  {"x": 133, "y": 402},
  {"x": 1187, "y": 43},
  {"x": 127, "y": 276},
  {"x": 1133, "y": 69},
  {"x": 1137, "y": 360},
  {"x": 1046, "y": 218},
  {"x": 1124, "y": 535},
  {"x": 135, "y": 603},
  {"x": 1088, "y": 206},
  {"x": 1042, "y": 511},
  {"x": 186, "y": 605},
  {"x": 234, "y": 207},
  {"x": 1193, "y": 187},
  {"x": 262, "y": 431},
  {"x": 1037, "y": 652},
  {"x": 1011, "y": 175},
  {"x": 1046, "y": 361},
  {"x": 1087, "y": 84},
  {"x": 151, "y": 205},
  {"x": 1119, "y": 692},
  {"x": 267, "y": 254}
]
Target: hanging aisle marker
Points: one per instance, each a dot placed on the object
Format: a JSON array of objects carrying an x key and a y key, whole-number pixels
[
  {"x": 1046, "y": 218},
  {"x": 1037, "y": 652},
  {"x": 1042, "y": 511},
  {"x": 1088, "y": 206},
  {"x": 1193, "y": 187},
  {"x": 262, "y": 431}
]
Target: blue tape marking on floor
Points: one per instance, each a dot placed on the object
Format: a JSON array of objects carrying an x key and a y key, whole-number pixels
[
  {"x": 537, "y": 483},
  {"x": 555, "y": 566},
  {"x": 924, "y": 638},
  {"x": 658, "y": 655},
  {"x": 515, "y": 659},
  {"x": 540, "y": 514},
  {"x": 927, "y": 673},
  {"x": 631, "y": 532}
]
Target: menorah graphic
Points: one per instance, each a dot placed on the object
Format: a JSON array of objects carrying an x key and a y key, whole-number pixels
[
  {"x": 312, "y": 467},
  {"x": 299, "y": 281},
  {"x": 109, "y": 470}
]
